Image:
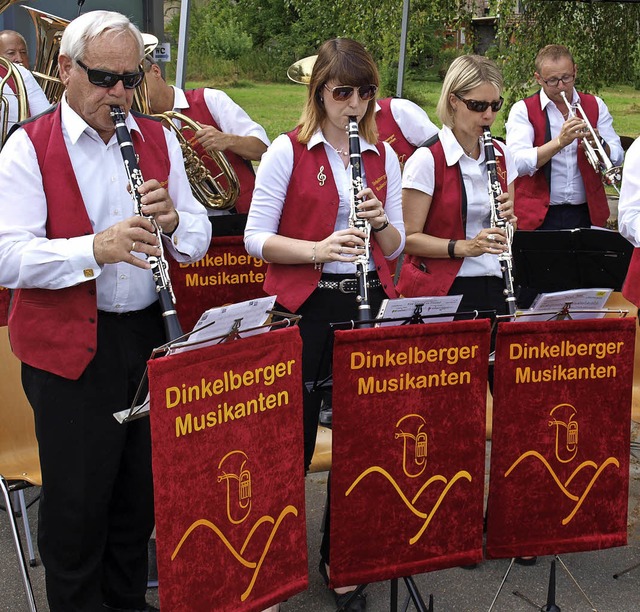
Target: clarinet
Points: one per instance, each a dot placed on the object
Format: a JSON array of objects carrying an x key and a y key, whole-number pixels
[
  {"x": 505, "y": 258},
  {"x": 362, "y": 260},
  {"x": 159, "y": 265}
]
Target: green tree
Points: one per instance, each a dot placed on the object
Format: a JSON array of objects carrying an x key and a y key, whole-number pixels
[{"x": 602, "y": 38}]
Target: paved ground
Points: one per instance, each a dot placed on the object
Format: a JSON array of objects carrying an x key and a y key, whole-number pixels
[{"x": 456, "y": 589}]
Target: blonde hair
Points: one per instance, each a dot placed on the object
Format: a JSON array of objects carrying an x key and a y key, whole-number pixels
[
  {"x": 347, "y": 62},
  {"x": 466, "y": 73},
  {"x": 552, "y": 53}
]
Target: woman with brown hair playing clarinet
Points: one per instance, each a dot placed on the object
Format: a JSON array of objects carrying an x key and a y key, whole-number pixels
[{"x": 299, "y": 216}]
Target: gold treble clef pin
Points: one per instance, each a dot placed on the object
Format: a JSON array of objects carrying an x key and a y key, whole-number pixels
[{"x": 322, "y": 177}]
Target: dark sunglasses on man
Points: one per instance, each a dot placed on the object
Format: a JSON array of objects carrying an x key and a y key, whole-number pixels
[
  {"x": 102, "y": 78},
  {"x": 343, "y": 92},
  {"x": 478, "y": 106}
]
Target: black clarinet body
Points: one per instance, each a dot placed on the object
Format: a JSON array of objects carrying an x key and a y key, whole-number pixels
[
  {"x": 505, "y": 258},
  {"x": 362, "y": 260},
  {"x": 159, "y": 265}
]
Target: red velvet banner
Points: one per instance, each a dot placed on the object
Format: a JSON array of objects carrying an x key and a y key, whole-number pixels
[
  {"x": 4, "y": 306},
  {"x": 407, "y": 483},
  {"x": 225, "y": 275},
  {"x": 561, "y": 431},
  {"x": 226, "y": 426}
]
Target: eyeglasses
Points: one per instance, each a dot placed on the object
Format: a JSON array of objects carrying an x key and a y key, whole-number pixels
[
  {"x": 479, "y": 106},
  {"x": 102, "y": 78},
  {"x": 554, "y": 81},
  {"x": 343, "y": 92}
]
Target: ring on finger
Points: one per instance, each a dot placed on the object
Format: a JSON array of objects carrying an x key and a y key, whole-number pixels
[
  {"x": 133, "y": 246},
  {"x": 491, "y": 237}
]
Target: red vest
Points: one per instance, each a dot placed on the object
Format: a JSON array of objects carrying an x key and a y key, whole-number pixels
[
  {"x": 389, "y": 131},
  {"x": 422, "y": 276},
  {"x": 631, "y": 287},
  {"x": 55, "y": 330},
  {"x": 532, "y": 192},
  {"x": 198, "y": 111},
  {"x": 312, "y": 184}
]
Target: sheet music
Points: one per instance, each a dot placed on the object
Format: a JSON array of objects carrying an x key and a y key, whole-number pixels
[
  {"x": 579, "y": 299},
  {"x": 222, "y": 320},
  {"x": 212, "y": 326},
  {"x": 445, "y": 305}
]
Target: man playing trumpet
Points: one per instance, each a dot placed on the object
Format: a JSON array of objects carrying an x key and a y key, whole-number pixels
[{"x": 557, "y": 188}]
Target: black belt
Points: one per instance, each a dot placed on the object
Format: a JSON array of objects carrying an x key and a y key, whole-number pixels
[{"x": 347, "y": 285}]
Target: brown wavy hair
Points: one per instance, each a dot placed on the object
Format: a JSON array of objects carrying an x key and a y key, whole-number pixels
[{"x": 347, "y": 62}]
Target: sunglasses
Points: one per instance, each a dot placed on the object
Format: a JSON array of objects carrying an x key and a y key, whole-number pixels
[
  {"x": 343, "y": 92},
  {"x": 102, "y": 78},
  {"x": 479, "y": 107}
]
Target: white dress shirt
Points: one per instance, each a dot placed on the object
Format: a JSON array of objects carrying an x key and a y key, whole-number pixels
[
  {"x": 37, "y": 100},
  {"x": 230, "y": 117},
  {"x": 413, "y": 121},
  {"x": 272, "y": 182},
  {"x": 567, "y": 186},
  {"x": 629, "y": 203},
  {"x": 28, "y": 259},
  {"x": 419, "y": 174}
]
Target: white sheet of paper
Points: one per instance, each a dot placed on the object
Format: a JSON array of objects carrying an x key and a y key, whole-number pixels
[
  {"x": 554, "y": 302},
  {"x": 445, "y": 305}
]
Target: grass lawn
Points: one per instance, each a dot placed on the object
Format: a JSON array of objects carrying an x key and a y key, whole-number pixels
[{"x": 277, "y": 106}]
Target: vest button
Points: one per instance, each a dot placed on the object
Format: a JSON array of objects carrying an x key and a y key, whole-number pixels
[
  {"x": 91, "y": 349},
  {"x": 92, "y": 320}
]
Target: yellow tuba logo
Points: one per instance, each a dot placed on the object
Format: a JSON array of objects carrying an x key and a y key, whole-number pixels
[{"x": 414, "y": 456}]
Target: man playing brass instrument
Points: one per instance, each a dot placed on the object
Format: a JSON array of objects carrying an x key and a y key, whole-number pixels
[
  {"x": 84, "y": 315},
  {"x": 556, "y": 187},
  {"x": 14, "y": 49},
  {"x": 226, "y": 127}
]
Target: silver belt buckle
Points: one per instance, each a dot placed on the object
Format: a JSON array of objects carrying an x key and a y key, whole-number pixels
[{"x": 342, "y": 285}]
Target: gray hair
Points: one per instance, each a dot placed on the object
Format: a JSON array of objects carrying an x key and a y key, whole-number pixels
[
  {"x": 466, "y": 73},
  {"x": 89, "y": 26}
]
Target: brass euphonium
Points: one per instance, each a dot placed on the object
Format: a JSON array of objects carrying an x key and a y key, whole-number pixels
[
  {"x": 14, "y": 77},
  {"x": 300, "y": 71},
  {"x": 208, "y": 189},
  {"x": 49, "y": 30}
]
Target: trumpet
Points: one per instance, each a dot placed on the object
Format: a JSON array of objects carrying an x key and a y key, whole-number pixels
[{"x": 597, "y": 157}]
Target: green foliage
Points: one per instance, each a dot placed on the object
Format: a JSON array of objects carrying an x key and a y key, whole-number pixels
[
  {"x": 601, "y": 37},
  {"x": 260, "y": 39}
]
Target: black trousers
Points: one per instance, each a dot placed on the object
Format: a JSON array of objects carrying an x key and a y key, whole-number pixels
[
  {"x": 566, "y": 216},
  {"x": 96, "y": 507},
  {"x": 323, "y": 307}
]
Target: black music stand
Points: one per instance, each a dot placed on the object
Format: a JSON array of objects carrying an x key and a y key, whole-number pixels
[{"x": 547, "y": 261}]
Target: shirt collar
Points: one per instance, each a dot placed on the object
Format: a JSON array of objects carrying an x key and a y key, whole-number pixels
[
  {"x": 545, "y": 100},
  {"x": 179, "y": 99},
  {"x": 452, "y": 149},
  {"x": 75, "y": 125},
  {"x": 318, "y": 137},
  {"x": 453, "y": 152}
]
